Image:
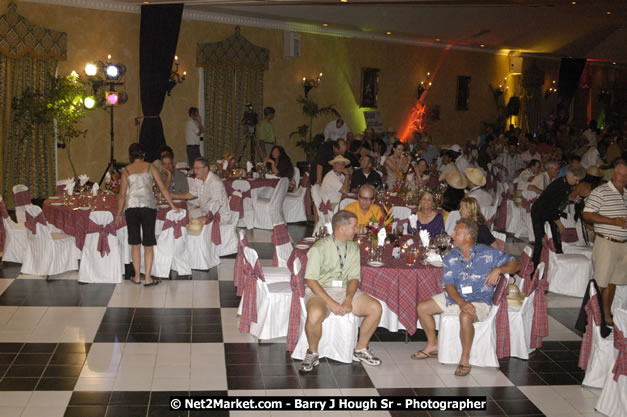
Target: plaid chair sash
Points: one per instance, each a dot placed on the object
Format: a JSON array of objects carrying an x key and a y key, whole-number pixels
[
  {"x": 491, "y": 181},
  {"x": 3, "y": 233},
  {"x": 280, "y": 236},
  {"x": 527, "y": 204},
  {"x": 240, "y": 260},
  {"x": 547, "y": 245},
  {"x": 177, "y": 225},
  {"x": 249, "y": 305},
  {"x": 3, "y": 210},
  {"x": 297, "y": 283},
  {"x": 526, "y": 267},
  {"x": 325, "y": 208},
  {"x": 540, "y": 322},
  {"x": 31, "y": 222},
  {"x": 570, "y": 235},
  {"x": 502, "y": 318},
  {"x": 620, "y": 344},
  {"x": 593, "y": 312},
  {"x": 501, "y": 212},
  {"x": 216, "y": 237},
  {"x": 103, "y": 235},
  {"x": 237, "y": 204},
  {"x": 22, "y": 198}
]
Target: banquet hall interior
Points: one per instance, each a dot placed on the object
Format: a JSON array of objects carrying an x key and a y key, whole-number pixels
[{"x": 281, "y": 103}]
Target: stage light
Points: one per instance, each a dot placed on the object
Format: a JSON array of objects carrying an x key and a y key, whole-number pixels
[
  {"x": 91, "y": 69},
  {"x": 122, "y": 97},
  {"x": 112, "y": 98},
  {"x": 89, "y": 102},
  {"x": 112, "y": 71}
]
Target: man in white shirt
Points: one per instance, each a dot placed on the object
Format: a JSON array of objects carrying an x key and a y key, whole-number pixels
[
  {"x": 542, "y": 180},
  {"x": 590, "y": 158},
  {"x": 336, "y": 129},
  {"x": 531, "y": 153},
  {"x": 533, "y": 168},
  {"x": 337, "y": 181},
  {"x": 591, "y": 133},
  {"x": 461, "y": 161},
  {"x": 476, "y": 180},
  {"x": 510, "y": 162},
  {"x": 207, "y": 189},
  {"x": 447, "y": 164},
  {"x": 193, "y": 134}
]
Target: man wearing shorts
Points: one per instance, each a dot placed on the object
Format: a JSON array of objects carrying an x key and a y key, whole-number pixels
[
  {"x": 332, "y": 278},
  {"x": 471, "y": 271}
]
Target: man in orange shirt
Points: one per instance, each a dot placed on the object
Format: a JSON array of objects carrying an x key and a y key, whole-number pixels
[{"x": 363, "y": 208}]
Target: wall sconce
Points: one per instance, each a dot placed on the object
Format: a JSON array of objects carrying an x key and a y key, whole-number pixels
[
  {"x": 175, "y": 77},
  {"x": 309, "y": 84},
  {"x": 423, "y": 86}
]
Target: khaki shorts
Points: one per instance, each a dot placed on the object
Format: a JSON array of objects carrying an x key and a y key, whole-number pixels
[
  {"x": 338, "y": 294},
  {"x": 610, "y": 262},
  {"x": 482, "y": 308}
]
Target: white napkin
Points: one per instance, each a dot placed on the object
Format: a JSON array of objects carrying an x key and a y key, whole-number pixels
[
  {"x": 424, "y": 238},
  {"x": 249, "y": 166},
  {"x": 381, "y": 236},
  {"x": 83, "y": 178},
  {"x": 271, "y": 176},
  {"x": 225, "y": 165},
  {"x": 107, "y": 178},
  {"x": 434, "y": 258},
  {"x": 413, "y": 221},
  {"x": 409, "y": 242},
  {"x": 94, "y": 189},
  {"x": 69, "y": 188}
]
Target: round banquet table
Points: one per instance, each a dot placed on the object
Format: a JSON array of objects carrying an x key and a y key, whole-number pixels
[{"x": 73, "y": 218}]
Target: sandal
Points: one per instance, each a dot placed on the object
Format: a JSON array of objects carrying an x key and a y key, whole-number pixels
[
  {"x": 136, "y": 282},
  {"x": 463, "y": 370},
  {"x": 421, "y": 354},
  {"x": 153, "y": 283}
]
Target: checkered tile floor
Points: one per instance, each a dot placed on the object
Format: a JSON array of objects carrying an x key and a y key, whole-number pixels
[{"x": 121, "y": 350}]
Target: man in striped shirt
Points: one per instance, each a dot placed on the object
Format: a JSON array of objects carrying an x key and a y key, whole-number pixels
[{"x": 607, "y": 209}]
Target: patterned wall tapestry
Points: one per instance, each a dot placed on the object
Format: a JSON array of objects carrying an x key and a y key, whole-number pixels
[
  {"x": 233, "y": 77},
  {"x": 28, "y": 58}
]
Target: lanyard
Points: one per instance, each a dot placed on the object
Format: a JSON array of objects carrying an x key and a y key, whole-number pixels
[{"x": 339, "y": 253}]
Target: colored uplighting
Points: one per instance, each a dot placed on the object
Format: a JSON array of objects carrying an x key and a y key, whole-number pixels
[
  {"x": 112, "y": 98},
  {"x": 89, "y": 102},
  {"x": 91, "y": 69}
]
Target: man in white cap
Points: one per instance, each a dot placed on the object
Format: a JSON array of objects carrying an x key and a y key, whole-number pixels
[
  {"x": 448, "y": 163},
  {"x": 461, "y": 161},
  {"x": 476, "y": 180},
  {"x": 337, "y": 181}
]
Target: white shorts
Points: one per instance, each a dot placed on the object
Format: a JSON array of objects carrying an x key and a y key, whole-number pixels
[
  {"x": 482, "y": 308},
  {"x": 338, "y": 294}
]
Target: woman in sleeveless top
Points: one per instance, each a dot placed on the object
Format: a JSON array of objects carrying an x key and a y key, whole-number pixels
[
  {"x": 396, "y": 164},
  {"x": 140, "y": 209}
]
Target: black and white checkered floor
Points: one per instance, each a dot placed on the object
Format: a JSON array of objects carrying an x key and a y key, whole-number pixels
[{"x": 121, "y": 350}]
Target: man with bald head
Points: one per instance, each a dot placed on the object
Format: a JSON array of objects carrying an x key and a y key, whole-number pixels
[{"x": 543, "y": 179}]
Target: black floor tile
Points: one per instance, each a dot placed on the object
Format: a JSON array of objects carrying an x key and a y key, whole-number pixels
[
  {"x": 86, "y": 411},
  {"x": 57, "y": 384},
  {"x": 396, "y": 392},
  {"x": 90, "y": 398},
  {"x": 318, "y": 381},
  {"x": 143, "y": 338},
  {"x": 228, "y": 295},
  {"x": 347, "y": 368},
  {"x": 39, "y": 348},
  {"x": 282, "y": 382},
  {"x": 207, "y": 337},
  {"x": 9, "y": 269},
  {"x": 561, "y": 378},
  {"x": 353, "y": 381},
  {"x": 505, "y": 393},
  {"x": 570, "y": 366},
  {"x": 164, "y": 411},
  {"x": 566, "y": 316},
  {"x": 25, "y": 371},
  {"x": 36, "y": 292},
  {"x": 158, "y": 398},
  {"x": 492, "y": 409},
  {"x": 264, "y": 250},
  {"x": 249, "y": 370},
  {"x": 76, "y": 359},
  {"x": 175, "y": 337},
  {"x": 545, "y": 366},
  {"x": 118, "y": 315},
  {"x": 63, "y": 371},
  {"x": 572, "y": 345},
  {"x": 562, "y": 355},
  {"x": 10, "y": 347},
  {"x": 32, "y": 359},
  {"x": 529, "y": 378},
  {"x": 7, "y": 358},
  {"x": 211, "y": 275},
  {"x": 18, "y": 384},
  {"x": 73, "y": 348},
  {"x": 287, "y": 369},
  {"x": 519, "y": 407},
  {"x": 238, "y": 382},
  {"x": 126, "y": 411},
  {"x": 130, "y": 398}
]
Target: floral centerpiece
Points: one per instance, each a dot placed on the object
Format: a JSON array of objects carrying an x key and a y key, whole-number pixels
[
  {"x": 112, "y": 182},
  {"x": 399, "y": 186},
  {"x": 375, "y": 225},
  {"x": 230, "y": 159}
]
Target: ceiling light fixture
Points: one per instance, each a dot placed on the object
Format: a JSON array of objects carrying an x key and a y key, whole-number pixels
[
  {"x": 325, "y": 25},
  {"x": 482, "y": 45},
  {"x": 573, "y": 2},
  {"x": 614, "y": 63},
  {"x": 437, "y": 39},
  {"x": 388, "y": 33},
  {"x": 343, "y": 1},
  {"x": 608, "y": 12}
]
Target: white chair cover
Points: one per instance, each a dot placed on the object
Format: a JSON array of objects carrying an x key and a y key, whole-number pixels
[
  {"x": 613, "y": 401},
  {"x": 568, "y": 273},
  {"x": 345, "y": 202},
  {"x": 20, "y": 211},
  {"x": 601, "y": 359},
  {"x": 228, "y": 235},
  {"x": 48, "y": 253},
  {"x": 294, "y": 203},
  {"x": 520, "y": 321},
  {"x": 15, "y": 240},
  {"x": 270, "y": 212},
  {"x": 273, "y": 303},
  {"x": 282, "y": 252},
  {"x": 501, "y": 238},
  {"x": 170, "y": 251},
  {"x": 400, "y": 213},
  {"x": 249, "y": 214},
  {"x": 389, "y": 319},
  {"x": 96, "y": 268},
  {"x": 451, "y": 221},
  {"x": 183, "y": 167},
  {"x": 483, "y": 351},
  {"x": 324, "y": 219},
  {"x": 296, "y": 176},
  {"x": 203, "y": 253},
  {"x": 515, "y": 220},
  {"x": 125, "y": 248},
  {"x": 620, "y": 298}
]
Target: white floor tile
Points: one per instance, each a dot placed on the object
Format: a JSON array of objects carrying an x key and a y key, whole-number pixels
[
  {"x": 225, "y": 269},
  {"x": 103, "y": 360},
  {"x": 51, "y": 411},
  {"x": 52, "y": 398},
  {"x": 14, "y": 398},
  {"x": 562, "y": 301},
  {"x": 179, "y": 294},
  {"x": 6, "y": 312},
  {"x": 94, "y": 384},
  {"x": 247, "y": 393},
  {"x": 356, "y": 392},
  {"x": 559, "y": 332},
  {"x": 208, "y": 381},
  {"x": 424, "y": 381},
  {"x": 4, "y": 284},
  {"x": 7, "y": 410},
  {"x": 133, "y": 382},
  {"x": 170, "y": 384},
  {"x": 389, "y": 381},
  {"x": 24, "y": 319},
  {"x": 206, "y": 294},
  {"x": 458, "y": 381}
]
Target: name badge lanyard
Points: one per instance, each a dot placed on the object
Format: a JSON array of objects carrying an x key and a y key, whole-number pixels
[{"x": 339, "y": 252}]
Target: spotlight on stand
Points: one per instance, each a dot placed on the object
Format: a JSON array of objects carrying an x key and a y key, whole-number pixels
[
  {"x": 112, "y": 98},
  {"x": 89, "y": 102},
  {"x": 91, "y": 69}
]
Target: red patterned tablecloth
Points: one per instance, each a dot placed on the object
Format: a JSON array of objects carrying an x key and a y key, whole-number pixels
[{"x": 74, "y": 221}]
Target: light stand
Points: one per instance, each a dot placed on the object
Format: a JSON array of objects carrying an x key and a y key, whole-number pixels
[{"x": 254, "y": 144}]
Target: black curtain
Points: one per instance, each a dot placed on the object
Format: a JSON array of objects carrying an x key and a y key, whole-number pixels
[
  {"x": 570, "y": 72},
  {"x": 158, "y": 36}
]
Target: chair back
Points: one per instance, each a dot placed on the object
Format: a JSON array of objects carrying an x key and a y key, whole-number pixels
[
  {"x": 345, "y": 202},
  {"x": 21, "y": 198},
  {"x": 315, "y": 195},
  {"x": 282, "y": 245},
  {"x": 500, "y": 240},
  {"x": 277, "y": 199},
  {"x": 241, "y": 185},
  {"x": 451, "y": 221},
  {"x": 36, "y": 222},
  {"x": 296, "y": 176}
]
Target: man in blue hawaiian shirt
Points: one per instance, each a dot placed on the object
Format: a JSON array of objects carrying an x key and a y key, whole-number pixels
[{"x": 471, "y": 271}]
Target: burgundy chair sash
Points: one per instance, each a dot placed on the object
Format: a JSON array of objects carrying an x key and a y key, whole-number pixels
[
  {"x": 177, "y": 225},
  {"x": 103, "y": 236},
  {"x": 237, "y": 204},
  {"x": 325, "y": 208},
  {"x": 620, "y": 344},
  {"x": 491, "y": 181},
  {"x": 593, "y": 312},
  {"x": 297, "y": 283},
  {"x": 527, "y": 204},
  {"x": 526, "y": 267},
  {"x": 547, "y": 245},
  {"x": 3, "y": 210},
  {"x": 31, "y": 222},
  {"x": 503, "y": 345},
  {"x": 3, "y": 233},
  {"x": 240, "y": 260},
  {"x": 501, "y": 212},
  {"x": 22, "y": 198},
  {"x": 280, "y": 236},
  {"x": 540, "y": 322},
  {"x": 570, "y": 235},
  {"x": 249, "y": 305},
  {"x": 216, "y": 237}
]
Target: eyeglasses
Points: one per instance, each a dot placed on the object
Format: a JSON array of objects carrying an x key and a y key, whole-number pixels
[{"x": 361, "y": 197}]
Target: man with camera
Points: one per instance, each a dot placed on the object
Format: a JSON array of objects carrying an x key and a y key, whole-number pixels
[{"x": 337, "y": 181}]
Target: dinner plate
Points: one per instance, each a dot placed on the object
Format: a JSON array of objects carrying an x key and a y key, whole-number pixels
[
  {"x": 84, "y": 208},
  {"x": 177, "y": 201},
  {"x": 351, "y": 195},
  {"x": 411, "y": 206},
  {"x": 309, "y": 239},
  {"x": 56, "y": 204},
  {"x": 301, "y": 246},
  {"x": 54, "y": 197},
  {"x": 163, "y": 206},
  {"x": 375, "y": 263},
  {"x": 437, "y": 264}
]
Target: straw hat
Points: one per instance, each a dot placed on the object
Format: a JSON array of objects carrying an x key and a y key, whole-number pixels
[
  {"x": 456, "y": 180},
  {"x": 515, "y": 298},
  {"x": 456, "y": 148},
  {"x": 594, "y": 171},
  {"x": 339, "y": 158},
  {"x": 475, "y": 175}
]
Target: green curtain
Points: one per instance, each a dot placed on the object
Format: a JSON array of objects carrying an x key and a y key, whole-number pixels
[{"x": 28, "y": 157}]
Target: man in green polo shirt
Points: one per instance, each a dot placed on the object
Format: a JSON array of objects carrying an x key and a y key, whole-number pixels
[{"x": 332, "y": 278}]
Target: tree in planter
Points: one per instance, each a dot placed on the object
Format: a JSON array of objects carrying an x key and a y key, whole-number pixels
[
  {"x": 308, "y": 141},
  {"x": 58, "y": 109}
]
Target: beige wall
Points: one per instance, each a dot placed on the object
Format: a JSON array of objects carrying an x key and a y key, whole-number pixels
[{"x": 92, "y": 34}]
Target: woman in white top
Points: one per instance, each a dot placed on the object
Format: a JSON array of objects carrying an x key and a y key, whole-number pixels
[
  {"x": 140, "y": 209},
  {"x": 396, "y": 164}
]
